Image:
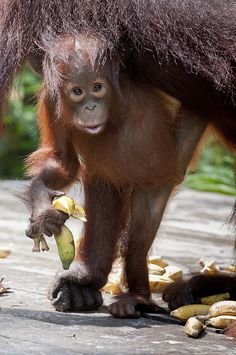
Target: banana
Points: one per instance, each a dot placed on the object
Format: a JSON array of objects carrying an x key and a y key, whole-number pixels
[
  {"x": 158, "y": 283},
  {"x": 4, "y": 253},
  {"x": 79, "y": 213},
  {"x": 157, "y": 260},
  {"x": 185, "y": 312},
  {"x": 222, "y": 308},
  {"x": 209, "y": 266},
  {"x": 210, "y": 300},
  {"x": 193, "y": 327},
  {"x": 155, "y": 269},
  {"x": 67, "y": 205},
  {"x": 65, "y": 246},
  {"x": 64, "y": 240},
  {"x": 113, "y": 288},
  {"x": 64, "y": 204},
  {"x": 230, "y": 268},
  {"x": 221, "y": 321},
  {"x": 173, "y": 272}
]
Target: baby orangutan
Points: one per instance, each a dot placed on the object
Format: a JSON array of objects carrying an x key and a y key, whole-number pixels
[{"x": 121, "y": 138}]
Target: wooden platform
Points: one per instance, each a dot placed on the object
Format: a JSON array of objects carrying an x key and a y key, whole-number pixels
[{"x": 194, "y": 227}]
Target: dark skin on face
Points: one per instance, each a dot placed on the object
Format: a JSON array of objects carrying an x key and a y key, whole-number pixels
[
  {"x": 89, "y": 98},
  {"x": 113, "y": 135}
]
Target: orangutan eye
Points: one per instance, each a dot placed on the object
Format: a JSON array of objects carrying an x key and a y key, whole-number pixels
[
  {"x": 77, "y": 91},
  {"x": 97, "y": 87}
]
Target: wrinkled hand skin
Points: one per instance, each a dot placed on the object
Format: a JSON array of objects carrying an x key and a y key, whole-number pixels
[
  {"x": 74, "y": 290},
  {"x": 48, "y": 222},
  {"x": 44, "y": 218},
  {"x": 129, "y": 305}
]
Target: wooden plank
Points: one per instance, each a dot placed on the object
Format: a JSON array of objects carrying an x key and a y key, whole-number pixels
[{"x": 192, "y": 228}]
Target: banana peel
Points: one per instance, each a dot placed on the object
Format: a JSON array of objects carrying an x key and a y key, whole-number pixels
[
  {"x": 155, "y": 269},
  {"x": 67, "y": 205},
  {"x": 157, "y": 260},
  {"x": 79, "y": 213},
  {"x": 64, "y": 204},
  {"x": 173, "y": 272},
  {"x": 209, "y": 266},
  {"x": 160, "y": 275},
  {"x": 4, "y": 289},
  {"x": 158, "y": 283}
]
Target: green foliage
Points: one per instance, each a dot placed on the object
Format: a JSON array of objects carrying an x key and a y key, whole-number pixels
[
  {"x": 215, "y": 170},
  {"x": 21, "y": 127}
]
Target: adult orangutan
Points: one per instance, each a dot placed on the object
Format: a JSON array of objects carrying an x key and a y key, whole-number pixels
[{"x": 184, "y": 47}]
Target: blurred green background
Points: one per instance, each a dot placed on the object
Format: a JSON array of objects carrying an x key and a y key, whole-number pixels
[
  {"x": 214, "y": 171},
  {"x": 21, "y": 125}
]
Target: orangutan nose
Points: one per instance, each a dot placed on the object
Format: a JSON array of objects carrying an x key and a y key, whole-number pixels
[{"x": 90, "y": 107}]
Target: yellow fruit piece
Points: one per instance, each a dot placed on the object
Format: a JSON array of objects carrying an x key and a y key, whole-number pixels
[
  {"x": 4, "y": 253},
  {"x": 193, "y": 327},
  {"x": 230, "y": 268},
  {"x": 112, "y": 288},
  {"x": 173, "y": 272},
  {"x": 221, "y": 321},
  {"x": 64, "y": 204},
  {"x": 158, "y": 283},
  {"x": 116, "y": 281},
  {"x": 210, "y": 300},
  {"x": 65, "y": 246},
  {"x": 223, "y": 308},
  {"x": 155, "y": 269},
  {"x": 79, "y": 213},
  {"x": 209, "y": 266},
  {"x": 157, "y": 260},
  {"x": 185, "y": 312}
]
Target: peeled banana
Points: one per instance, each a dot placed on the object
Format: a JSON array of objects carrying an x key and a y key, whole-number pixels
[
  {"x": 193, "y": 327},
  {"x": 185, "y": 312}
]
